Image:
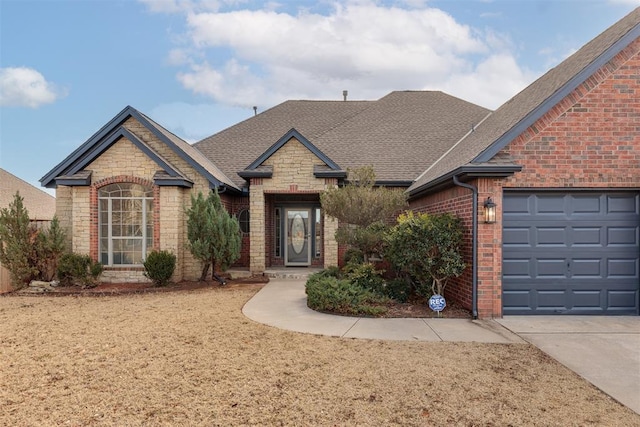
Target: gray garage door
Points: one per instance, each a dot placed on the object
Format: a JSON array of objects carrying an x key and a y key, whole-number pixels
[{"x": 571, "y": 253}]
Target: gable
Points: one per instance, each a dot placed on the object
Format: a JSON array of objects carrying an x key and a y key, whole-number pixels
[
  {"x": 292, "y": 152},
  {"x": 594, "y": 141},
  {"x": 141, "y": 131},
  {"x": 120, "y": 158},
  {"x": 548, "y": 96}
]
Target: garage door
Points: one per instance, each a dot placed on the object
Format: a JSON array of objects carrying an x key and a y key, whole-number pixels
[{"x": 571, "y": 253}]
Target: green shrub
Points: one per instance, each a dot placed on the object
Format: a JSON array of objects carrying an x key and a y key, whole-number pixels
[
  {"x": 27, "y": 251},
  {"x": 366, "y": 276},
  {"x": 159, "y": 267},
  {"x": 332, "y": 271},
  {"x": 427, "y": 248},
  {"x": 353, "y": 256},
  {"x": 79, "y": 270},
  {"x": 398, "y": 289},
  {"x": 341, "y": 296}
]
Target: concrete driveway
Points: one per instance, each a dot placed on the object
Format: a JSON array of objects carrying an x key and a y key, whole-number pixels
[{"x": 603, "y": 350}]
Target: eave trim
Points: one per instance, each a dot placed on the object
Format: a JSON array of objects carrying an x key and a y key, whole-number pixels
[
  {"x": 467, "y": 171},
  {"x": 488, "y": 153}
]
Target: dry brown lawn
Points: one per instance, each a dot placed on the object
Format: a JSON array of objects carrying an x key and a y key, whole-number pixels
[{"x": 191, "y": 358}]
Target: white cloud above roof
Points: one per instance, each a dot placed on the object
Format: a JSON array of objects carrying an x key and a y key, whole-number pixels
[
  {"x": 26, "y": 87},
  {"x": 366, "y": 47}
]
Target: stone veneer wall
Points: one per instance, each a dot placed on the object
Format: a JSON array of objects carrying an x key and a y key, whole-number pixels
[
  {"x": 124, "y": 162},
  {"x": 64, "y": 211},
  {"x": 292, "y": 174}
]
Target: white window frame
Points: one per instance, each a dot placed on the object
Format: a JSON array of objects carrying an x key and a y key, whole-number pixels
[{"x": 110, "y": 237}]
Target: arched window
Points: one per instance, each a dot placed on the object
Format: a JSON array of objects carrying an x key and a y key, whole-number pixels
[
  {"x": 125, "y": 223},
  {"x": 243, "y": 220}
]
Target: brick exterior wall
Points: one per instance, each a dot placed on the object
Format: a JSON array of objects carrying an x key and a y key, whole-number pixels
[
  {"x": 235, "y": 206},
  {"x": 456, "y": 200},
  {"x": 589, "y": 140}
]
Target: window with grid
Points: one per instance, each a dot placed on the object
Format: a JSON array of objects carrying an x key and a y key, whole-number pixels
[{"x": 125, "y": 221}]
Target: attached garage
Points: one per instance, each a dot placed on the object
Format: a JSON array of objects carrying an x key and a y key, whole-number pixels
[{"x": 571, "y": 253}]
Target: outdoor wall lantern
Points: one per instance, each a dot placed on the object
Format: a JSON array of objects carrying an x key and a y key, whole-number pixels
[{"x": 489, "y": 211}]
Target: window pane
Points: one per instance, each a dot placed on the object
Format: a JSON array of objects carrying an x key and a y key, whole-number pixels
[
  {"x": 131, "y": 214},
  {"x": 278, "y": 241},
  {"x": 318, "y": 237}
]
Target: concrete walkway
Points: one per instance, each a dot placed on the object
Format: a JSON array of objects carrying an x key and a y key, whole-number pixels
[
  {"x": 603, "y": 350},
  {"x": 282, "y": 303}
]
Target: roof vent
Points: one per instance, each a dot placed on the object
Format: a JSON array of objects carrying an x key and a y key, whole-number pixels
[
  {"x": 344, "y": 94},
  {"x": 255, "y": 110}
]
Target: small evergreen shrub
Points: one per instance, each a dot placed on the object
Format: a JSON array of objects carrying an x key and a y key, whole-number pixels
[
  {"x": 79, "y": 270},
  {"x": 159, "y": 267},
  {"x": 366, "y": 276},
  {"x": 343, "y": 297},
  {"x": 327, "y": 272}
]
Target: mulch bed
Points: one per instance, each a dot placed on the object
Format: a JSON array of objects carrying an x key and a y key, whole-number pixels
[{"x": 140, "y": 288}]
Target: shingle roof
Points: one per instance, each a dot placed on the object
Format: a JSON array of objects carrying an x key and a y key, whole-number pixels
[
  {"x": 235, "y": 148},
  {"x": 398, "y": 134},
  {"x": 41, "y": 205},
  {"x": 193, "y": 153},
  {"x": 401, "y": 133},
  {"x": 512, "y": 118}
]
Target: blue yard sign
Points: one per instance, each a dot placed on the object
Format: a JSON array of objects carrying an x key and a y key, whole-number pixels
[{"x": 437, "y": 303}]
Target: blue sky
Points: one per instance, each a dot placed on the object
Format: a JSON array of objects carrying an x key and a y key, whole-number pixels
[{"x": 68, "y": 66}]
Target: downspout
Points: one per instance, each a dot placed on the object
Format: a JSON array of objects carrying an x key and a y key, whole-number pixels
[{"x": 474, "y": 245}]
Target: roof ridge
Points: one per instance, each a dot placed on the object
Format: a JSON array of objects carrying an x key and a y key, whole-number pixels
[{"x": 347, "y": 119}]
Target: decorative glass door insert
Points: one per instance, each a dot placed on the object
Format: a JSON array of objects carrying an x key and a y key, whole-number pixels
[{"x": 298, "y": 249}]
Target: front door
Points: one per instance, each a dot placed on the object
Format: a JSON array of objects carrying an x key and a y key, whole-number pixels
[{"x": 297, "y": 248}]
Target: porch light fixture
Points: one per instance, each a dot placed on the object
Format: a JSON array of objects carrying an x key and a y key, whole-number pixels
[{"x": 489, "y": 211}]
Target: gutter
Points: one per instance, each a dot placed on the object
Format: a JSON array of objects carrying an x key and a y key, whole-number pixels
[{"x": 474, "y": 245}]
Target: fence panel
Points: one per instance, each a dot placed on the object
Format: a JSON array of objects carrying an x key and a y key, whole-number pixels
[{"x": 5, "y": 280}]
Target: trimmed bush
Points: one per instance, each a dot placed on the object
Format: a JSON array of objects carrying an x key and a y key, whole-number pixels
[
  {"x": 427, "y": 248},
  {"x": 341, "y": 296},
  {"x": 159, "y": 267},
  {"x": 79, "y": 270},
  {"x": 366, "y": 276}
]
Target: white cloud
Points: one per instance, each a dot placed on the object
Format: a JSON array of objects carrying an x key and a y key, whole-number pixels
[
  {"x": 491, "y": 83},
  {"x": 250, "y": 57},
  {"x": 26, "y": 87},
  {"x": 180, "y": 6}
]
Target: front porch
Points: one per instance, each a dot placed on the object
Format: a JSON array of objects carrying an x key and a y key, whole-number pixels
[{"x": 277, "y": 272}]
